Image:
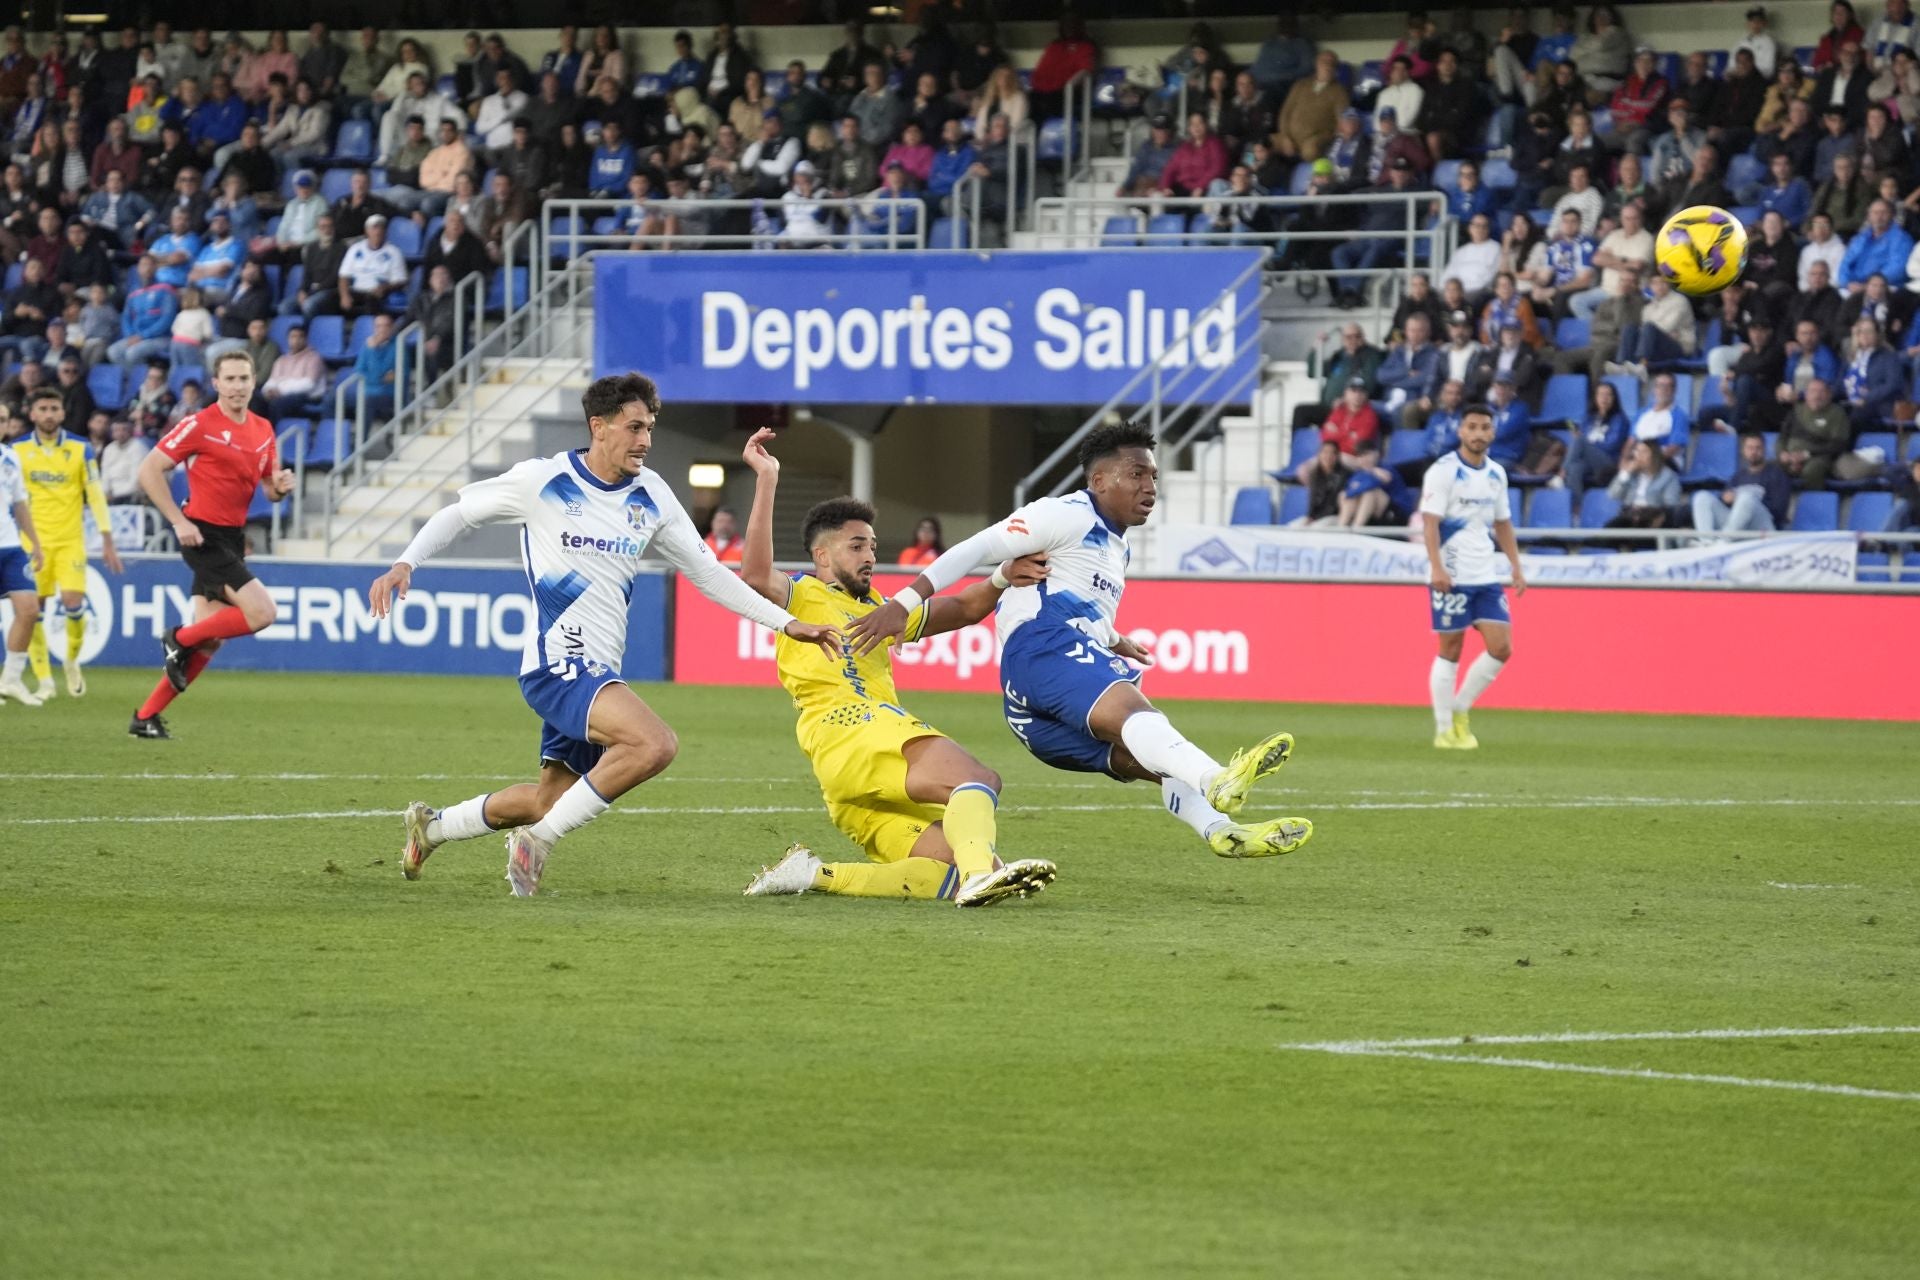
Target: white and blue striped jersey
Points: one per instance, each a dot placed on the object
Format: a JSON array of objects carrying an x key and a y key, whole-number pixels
[
  {"x": 581, "y": 540},
  {"x": 13, "y": 489},
  {"x": 1467, "y": 501},
  {"x": 1089, "y": 557}
]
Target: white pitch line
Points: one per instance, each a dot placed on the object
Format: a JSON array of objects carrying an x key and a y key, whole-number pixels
[
  {"x": 1602, "y": 1037},
  {"x": 1778, "y": 884},
  {"x": 327, "y": 815},
  {"x": 1642, "y": 1073}
]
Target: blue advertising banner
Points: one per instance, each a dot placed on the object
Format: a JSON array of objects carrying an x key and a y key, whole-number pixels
[
  {"x": 917, "y": 328},
  {"x": 456, "y": 620}
]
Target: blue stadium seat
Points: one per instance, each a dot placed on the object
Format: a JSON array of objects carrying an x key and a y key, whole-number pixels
[
  {"x": 327, "y": 335},
  {"x": 1167, "y": 230},
  {"x": 177, "y": 485},
  {"x": 563, "y": 238},
  {"x": 1252, "y": 505},
  {"x": 404, "y": 235},
  {"x": 335, "y": 184},
  {"x": 1122, "y": 231},
  {"x": 1873, "y": 566},
  {"x": 1627, "y": 387},
  {"x": 1052, "y": 142},
  {"x": 1406, "y": 446},
  {"x": 1303, "y": 445},
  {"x": 1868, "y": 512},
  {"x": 1912, "y": 441},
  {"x": 1541, "y": 217},
  {"x": 16, "y": 272},
  {"x": 1572, "y": 333},
  {"x": 291, "y": 279},
  {"x": 358, "y": 335},
  {"x": 107, "y": 383},
  {"x": 296, "y": 439},
  {"x": 1711, "y": 397},
  {"x": 1565, "y": 400},
  {"x": 1302, "y": 176},
  {"x": 181, "y": 374},
  {"x": 1446, "y": 175},
  {"x": 353, "y": 145},
  {"x": 1815, "y": 512},
  {"x": 332, "y": 444},
  {"x": 1888, "y": 444},
  {"x": 1744, "y": 170},
  {"x": 504, "y": 294},
  {"x": 1294, "y": 504},
  {"x": 1715, "y": 454},
  {"x": 1550, "y": 509},
  {"x": 1107, "y": 83},
  {"x": 1514, "y": 500},
  {"x": 1596, "y": 508},
  {"x": 280, "y": 327},
  {"x": 1803, "y": 54},
  {"x": 1747, "y": 215},
  {"x": 946, "y": 233}
]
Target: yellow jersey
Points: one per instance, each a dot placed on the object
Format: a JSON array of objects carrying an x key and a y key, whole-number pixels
[
  {"x": 63, "y": 480},
  {"x": 843, "y": 693}
]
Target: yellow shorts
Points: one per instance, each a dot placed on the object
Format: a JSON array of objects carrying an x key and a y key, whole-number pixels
[
  {"x": 63, "y": 569},
  {"x": 863, "y": 779}
]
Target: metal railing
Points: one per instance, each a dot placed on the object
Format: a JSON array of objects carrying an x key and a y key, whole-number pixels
[
  {"x": 1076, "y": 112},
  {"x": 1167, "y": 376},
  {"x": 567, "y": 225},
  {"x": 1087, "y": 216}
]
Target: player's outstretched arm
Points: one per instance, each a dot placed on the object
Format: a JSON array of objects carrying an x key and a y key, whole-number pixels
[
  {"x": 756, "y": 559},
  {"x": 680, "y": 543},
  {"x": 1023, "y": 533},
  {"x": 435, "y": 536},
  {"x": 950, "y": 613}
]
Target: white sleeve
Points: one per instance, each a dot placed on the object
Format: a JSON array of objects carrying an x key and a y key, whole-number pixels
[
  {"x": 435, "y": 536},
  {"x": 14, "y": 478},
  {"x": 682, "y": 547},
  {"x": 1435, "y": 491},
  {"x": 1045, "y": 524},
  {"x": 491, "y": 501}
]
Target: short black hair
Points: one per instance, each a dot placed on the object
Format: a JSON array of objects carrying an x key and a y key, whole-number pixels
[
  {"x": 1103, "y": 442},
  {"x": 833, "y": 514},
  {"x": 1485, "y": 410},
  {"x": 608, "y": 395}
]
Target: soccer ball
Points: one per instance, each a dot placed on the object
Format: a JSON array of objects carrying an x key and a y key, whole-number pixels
[{"x": 1701, "y": 250}]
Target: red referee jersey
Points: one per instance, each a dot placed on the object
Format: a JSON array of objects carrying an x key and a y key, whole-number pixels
[{"x": 224, "y": 459}]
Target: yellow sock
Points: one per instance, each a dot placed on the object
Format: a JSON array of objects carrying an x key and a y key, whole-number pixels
[
  {"x": 37, "y": 653},
  {"x": 76, "y": 635},
  {"x": 970, "y": 826},
  {"x": 907, "y": 878}
]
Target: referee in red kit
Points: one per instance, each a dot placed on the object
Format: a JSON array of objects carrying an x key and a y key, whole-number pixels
[{"x": 228, "y": 450}]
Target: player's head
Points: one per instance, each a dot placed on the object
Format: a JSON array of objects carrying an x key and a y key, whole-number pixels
[
  {"x": 47, "y": 409},
  {"x": 1476, "y": 432},
  {"x": 233, "y": 381},
  {"x": 839, "y": 537},
  {"x": 1121, "y": 472},
  {"x": 620, "y": 411}
]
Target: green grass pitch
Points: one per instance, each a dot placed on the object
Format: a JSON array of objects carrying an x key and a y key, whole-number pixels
[{"x": 235, "y": 1047}]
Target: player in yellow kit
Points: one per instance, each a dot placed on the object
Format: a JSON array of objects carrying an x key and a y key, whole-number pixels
[
  {"x": 921, "y": 807},
  {"x": 63, "y": 481}
]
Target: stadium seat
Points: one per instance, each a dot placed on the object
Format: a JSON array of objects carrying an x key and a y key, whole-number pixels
[
  {"x": 1572, "y": 333},
  {"x": 1744, "y": 170},
  {"x": 1627, "y": 387},
  {"x": 1167, "y": 230},
  {"x": 332, "y": 444},
  {"x": 1302, "y": 177},
  {"x": 1499, "y": 175},
  {"x": 1803, "y": 54},
  {"x": 1122, "y": 231},
  {"x": 181, "y": 374},
  {"x": 1052, "y": 142},
  {"x": 1715, "y": 454},
  {"x": 1711, "y": 397},
  {"x": 107, "y": 384},
  {"x": 1868, "y": 512},
  {"x": 1107, "y": 83},
  {"x": 280, "y": 327},
  {"x": 1889, "y": 446},
  {"x": 296, "y": 439},
  {"x": 1550, "y": 509},
  {"x": 16, "y": 272},
  {"x": 335, "y": 184},
  {"x": 1404, "y": 447},
  {"x": 1873, "y": 566},
  {"x": 291, "y": 279},
  {"x": 327, "y": 335},
  {"x": 353, "y": 145},
  {"x": 947, "y": 233},
  {"x": 1566, "y": 398},
  {"x": 504, "y": 295},
  {"x": 1446, "y": 175},
  {"x": 1294, "y": 504},
  {"x": 404, "y": 235},
  {"x": 1514, "y": 500},
  {"x": 1596, "y": 508},
  {"x": 1815, "y": 512},
  {"x": 358, "y": 335},
  {"x": 1541, "y": 217},
  {"x": 1304, "y": 444},
  {"x": 1747, "y": 215},
  {"x": 1252, "y": 505},
  {"x": 177, "y": 484}
]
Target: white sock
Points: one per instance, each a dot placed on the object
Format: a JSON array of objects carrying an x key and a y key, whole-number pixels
[
  {"x": 462, "y": 821},
  {"x": 1158, "y": 746},
  {"x": 576, "y": 807},
  {"x": 1479, "y": 676},
  {"x": 1190, "y": 806},
  {"x": 16, "y": 665},
  {"x": 1440, "y": 685}
]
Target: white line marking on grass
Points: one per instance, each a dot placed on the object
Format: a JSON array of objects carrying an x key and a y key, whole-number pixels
[
  {"x": 328, "y": 815},
  {"x": 1423, "y": 1050},
  {"x": 1779, "y": 884}
]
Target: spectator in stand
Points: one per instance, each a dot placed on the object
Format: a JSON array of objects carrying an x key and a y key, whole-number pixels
[
  {"x": 493, "y": 120},
  {"x": 805, "y": 223},
  {"x": 929, "y": 107},
  {"x": 299, "y": 224},
  {"x": 1759, "y": 43},
  {"x": 1844, "y": 85},
  {"x": 1409, "y": 369},
  {"x": 1636, "y": 100},
  {"x": 1883, "y": 149},
  {"x": 217, "y": 121},
  {"x": 1512, "y": 424},
  {"x": 1562, "y": 269},
  {"x": 613, "y": 162},
  {"x": 854, "y": 168},
  {"x": 1646, "y": 489},
  {"x": 456, "y": 248},
  {"x": 1843, "y": 200},
  {"x": 1469, "y": 197},
  {"x": 452, "y": 157},
  {"x": 250, "y": 80},
  {"x": 1441, "y": 433},
  {"x": 17, "y": 213},
  {"x": 1835, "y": 140},
  {"x": 1880, "y": 248},
  {"x": 1749, "y": 389},
  {"x": 84, "y": 262},
  {"x": 1069, "y": 54},
  {"x": 1458, "y": 359},
  {"x": 1878, "y": 303},
  {"x": 435, "y": 310},
  {"x": 928, "y": 543},
  {"x": 377, "y": 365},
  {"x": 726, "y": 67},
  {"x": 877, "y": 108},
  {"x": 1001, "y": 96},
  {"x": 1816, "y": 434},
  {"x": 251, "y": 299},
  {"x": 1311, "y": 110},
  {"x": 216, "y": 268},
  {"x": 1898, "y": 84},
  {"x": 1354, "y": 360},
  {"x": 1817, "y": 300},
  {"x": 950, "y": 164},
  {"x": 1520, "y": 245},
  {"x": 845, "y": 71},
  {"x": 320, "y": 259},
  {"x": 804, "y": 105},
  {"x": 1736, "y": 105},
  {"x": 1702, "y": 186},
  {"x": 1672, "y": 157},
  {"x": 1698, "y": 88},
  {"x": 1196, "y": 162},
  {"x": 1582, "y": 199},
  {"x": 297, "y": 380},
  {"x": 1451, "y": 110},
  {"x": 1773, "y": 260},
  {"x": 992, "y": 163},
  {"x": 1475, "y": 263},
  {"x": 724, "y": 538},
  {"x": 192, "y": 329},
  {"x": 1599, "y": 442},
  {"x": 1872, "y": 379},
  {"x": 1755, "y": 499},
  {"x": 1505, "y": 307},
  {"x": 1603, "y": 53},
  {"x": 366, "y": 65},
  {"x": 151, "y": 405},
  {"x": 1349, "y": 154},
  {"x": 1388, "y": 220},
  {"x": 1664, "y": 423},
  {"x": 243, "y": 212},
  {"x": 1844, "y": 30},
  {"x": 1283, "y": 58},
  {"x": 1786, "y": 193},
  {"x": 1418, "y": 45},
  {"x": 1666, "y": 332},
  {"x": 911, "y": 153},
  {"x": 1325, "y": 480},
  {"x": 1807, "y": 357},
  {"x": 1374, "y": 495},
  {"x": 115, "y": 154},
  {"x": 371, "y": 269},
  {"x": 563, "y": 61},
  {"x": 751, "y": 106},
  {"x": 322, "y": 61},
  {"x": 1150, "y": 160},
  {"x": 1391, "y": 143},
  {"x": 1402, "y": 93},
  {"x": 175, "y": 251},
  {"x": 120, "y": 464},
  {"x": 1511, "y": 357},
  {"x": 429, "y": 104},
  {"x": 1247, "y": 116},
  {"x": 161, "y": 171},
  {"x": 1904, "y": 516},
  {"x": 1777, "y": 119},
  {"x": 120, "y": 216},
  {"x": 1352, "y": 427}
]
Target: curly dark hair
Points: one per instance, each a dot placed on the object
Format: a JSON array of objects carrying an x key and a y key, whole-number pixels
[
  {"x": 608, "y": 395},
  {"x": 832, "y": 514},
  {"x": 1103, "y": 442}
]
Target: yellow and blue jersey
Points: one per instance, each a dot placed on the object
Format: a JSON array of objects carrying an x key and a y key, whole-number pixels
[
  {"x": 845, "y": 691},
  {"x": 63, "y": 481}
]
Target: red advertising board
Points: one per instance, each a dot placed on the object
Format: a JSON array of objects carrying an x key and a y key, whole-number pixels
[{"x": 1575, "y": 649}]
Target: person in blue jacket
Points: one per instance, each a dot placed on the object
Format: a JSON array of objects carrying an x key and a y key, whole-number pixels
[
  {"x": 1512, "y": 424},
  {"x": 146, "y": 321},
  {"x": 1597, "y": 442},
  {"x": 1880, "y": 247}
]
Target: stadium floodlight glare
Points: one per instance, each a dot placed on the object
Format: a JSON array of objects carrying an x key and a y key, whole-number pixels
[{"x": 706, "y": 475}]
